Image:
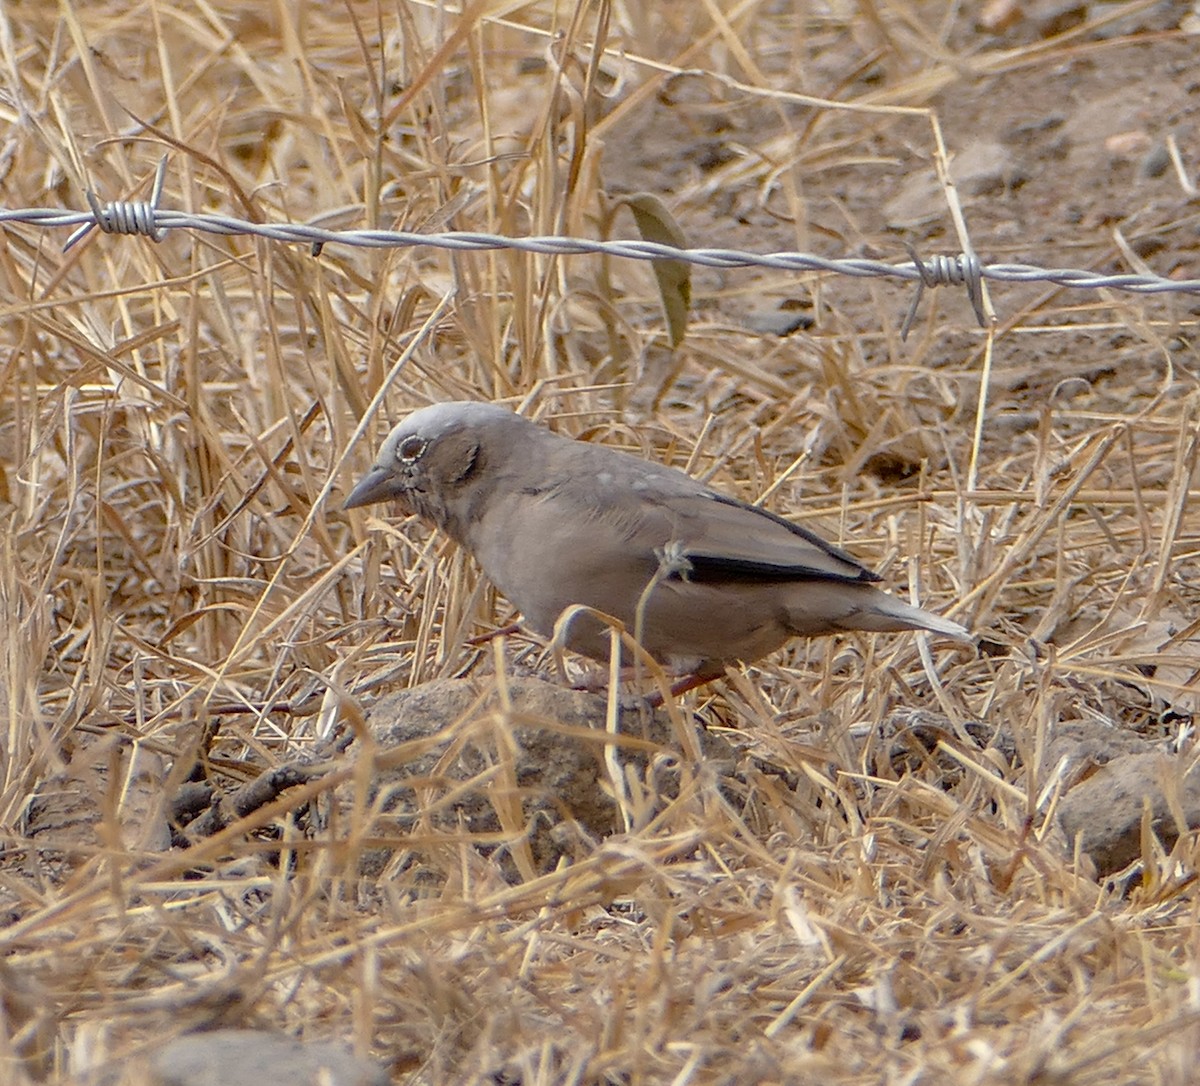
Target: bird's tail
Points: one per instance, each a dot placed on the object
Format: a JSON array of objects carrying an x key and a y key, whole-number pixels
[{"x": 887, "y": 613}]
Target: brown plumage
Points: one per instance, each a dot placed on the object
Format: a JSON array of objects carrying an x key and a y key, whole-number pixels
[{"x": 555, "y": 522}]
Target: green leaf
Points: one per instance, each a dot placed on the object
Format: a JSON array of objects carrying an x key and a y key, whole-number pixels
[{"x": 655, "y": 223}]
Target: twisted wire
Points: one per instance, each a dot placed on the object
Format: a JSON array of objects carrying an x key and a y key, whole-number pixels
[{"x": 146, "y": 218}]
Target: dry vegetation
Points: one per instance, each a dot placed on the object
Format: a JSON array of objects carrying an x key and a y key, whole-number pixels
[{"x": 179, "y": 423}]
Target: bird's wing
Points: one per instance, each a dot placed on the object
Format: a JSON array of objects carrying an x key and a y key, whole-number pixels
[
  {"x": 726, "y": 539},
  {"x": 650, "y": 506}
]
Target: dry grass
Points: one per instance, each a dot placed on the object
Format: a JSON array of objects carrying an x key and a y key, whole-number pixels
[{"x": 177, "y": 425}]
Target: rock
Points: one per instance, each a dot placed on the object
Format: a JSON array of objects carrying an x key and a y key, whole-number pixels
[
  {"x": 1131, "y": 144},
  {"x": 1155, "y": 163},
  {"x": 534, "y": 772},
  {"x": 918, "y": 201},
  {"x": 913, "y": 735},
  {"x": 780, "y": 320},
  {"x": 1107, "y": 774},
  {"x": 1105, "y": 811},
  {"x": 1054, "y": 17},
  {"x": 999, "y": 15},
  {"x": 982, "y": 168},
  {"x": 985, "y": 168},
  {"x": 247, "y": 1057},
  {"x": 105, "y": 777},
  {"x": 1085, "y": 745}
]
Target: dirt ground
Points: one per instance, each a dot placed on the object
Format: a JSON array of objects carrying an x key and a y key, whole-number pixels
[{"x": 256, "y": 775}]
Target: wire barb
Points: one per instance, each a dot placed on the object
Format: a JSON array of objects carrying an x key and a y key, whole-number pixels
[
  {"x": 946, "y": 271},
  {"x": 126, "y": 216}
]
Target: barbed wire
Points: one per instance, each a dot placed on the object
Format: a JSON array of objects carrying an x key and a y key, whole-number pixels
[{"x": 146, "y": 218}]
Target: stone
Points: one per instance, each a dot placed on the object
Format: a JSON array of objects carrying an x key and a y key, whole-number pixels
[
  {"x": 247, "y": 1057},
  {"x": 549, "y": 742}
]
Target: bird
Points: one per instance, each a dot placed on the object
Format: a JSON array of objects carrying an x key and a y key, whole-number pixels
[{"x": 704, "y": 580}]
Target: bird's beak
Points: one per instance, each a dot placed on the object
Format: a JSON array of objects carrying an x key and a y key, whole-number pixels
[{"x": 378, "y": 485}]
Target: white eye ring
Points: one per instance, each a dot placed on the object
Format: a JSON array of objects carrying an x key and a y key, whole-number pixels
[{"x": 410, "y": 449}]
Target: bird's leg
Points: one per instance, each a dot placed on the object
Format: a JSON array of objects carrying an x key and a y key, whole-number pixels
[
  {"x": 503, "y": 631},
  {"x": 682, "y": 685},
  {"x": 596, "y": 680}
]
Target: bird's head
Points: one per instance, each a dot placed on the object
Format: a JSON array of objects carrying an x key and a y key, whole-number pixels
[{"x": 431, "y": 461}]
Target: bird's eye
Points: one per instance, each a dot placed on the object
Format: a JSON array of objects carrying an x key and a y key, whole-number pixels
[{"x": 410, "y": 449}]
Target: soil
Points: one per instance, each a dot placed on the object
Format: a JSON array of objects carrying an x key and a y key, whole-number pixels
[
  {"x": 1053, "y": 160},
  {"x": 924, "y": 864}
]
